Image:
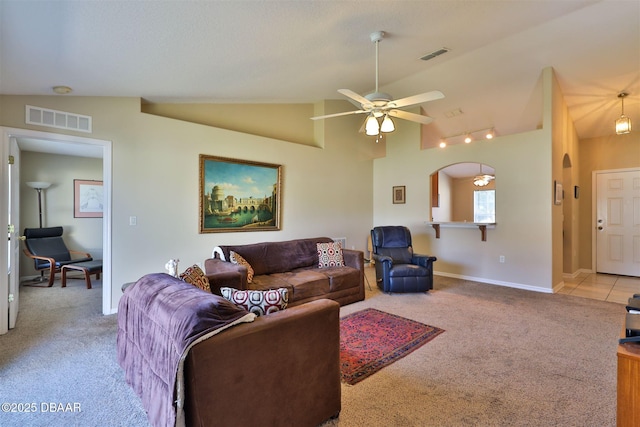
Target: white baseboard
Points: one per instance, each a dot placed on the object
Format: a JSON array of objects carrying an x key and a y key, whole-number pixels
[{"x": 496, "y": 282}]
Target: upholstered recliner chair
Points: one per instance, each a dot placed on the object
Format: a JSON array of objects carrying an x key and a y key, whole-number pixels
[{"x": 398, "y": 269}]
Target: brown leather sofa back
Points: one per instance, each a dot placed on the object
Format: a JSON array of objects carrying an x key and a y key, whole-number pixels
[{"x": 278, "y": 257}]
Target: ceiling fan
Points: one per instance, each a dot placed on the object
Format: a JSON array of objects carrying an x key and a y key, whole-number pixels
[{"x": 381, "y": 105}]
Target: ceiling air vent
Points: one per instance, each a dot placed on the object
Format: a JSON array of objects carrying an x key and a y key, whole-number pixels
[
  {"x": 57, "y": 119},
  {"x": 435, "y": 53}
]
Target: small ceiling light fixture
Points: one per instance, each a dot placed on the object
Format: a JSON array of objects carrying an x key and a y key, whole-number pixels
[
  {"x": 468, "y": 138},
  {"x": 490, "y": 134},
  {"x": 387, "y": 124},
  {"x": 443, "y": 143},
  {"x": 623, "y": 124},
  {"x": 62, "y": 90},
  {"x": 371, "y": 126},
  {"x": 482, "y": 179}
]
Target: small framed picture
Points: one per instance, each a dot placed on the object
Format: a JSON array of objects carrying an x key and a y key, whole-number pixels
[
  {"x": 399, "y": 194},
  {"x": 557, "y": 199},
  {"x": 88, "y": 199}
]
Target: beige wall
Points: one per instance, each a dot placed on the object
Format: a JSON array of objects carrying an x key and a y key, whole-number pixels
[
  {"x": 326, "y": 191},
  {"x": 522, "y": 233}
]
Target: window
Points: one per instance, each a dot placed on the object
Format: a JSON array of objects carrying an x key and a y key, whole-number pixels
[{"x": 484, "y": 206}]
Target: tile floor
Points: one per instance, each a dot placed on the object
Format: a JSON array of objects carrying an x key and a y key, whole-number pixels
[{"x": 603, "y": 287}]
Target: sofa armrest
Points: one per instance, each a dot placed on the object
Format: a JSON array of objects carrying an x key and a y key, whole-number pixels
[
  {"x": 251, "y": 373},
  {"x": 353, "y": 258},
  {"x": 222, "y": 273}
]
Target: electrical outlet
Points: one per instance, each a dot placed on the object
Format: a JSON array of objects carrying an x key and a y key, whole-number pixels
[
  {"x": 133, "y": 220},
  {"x": 502, "y": 259}
]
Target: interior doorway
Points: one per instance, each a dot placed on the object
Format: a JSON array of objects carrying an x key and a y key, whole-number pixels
[{"x": 53, "y": 143}]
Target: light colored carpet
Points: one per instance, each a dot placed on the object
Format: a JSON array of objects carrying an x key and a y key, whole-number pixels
[{"x": 508, "y": 357}]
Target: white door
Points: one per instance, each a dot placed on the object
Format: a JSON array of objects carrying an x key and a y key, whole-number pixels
[
  {"x": 14, "y": 232},
  {"x": 618, "y": 222}
]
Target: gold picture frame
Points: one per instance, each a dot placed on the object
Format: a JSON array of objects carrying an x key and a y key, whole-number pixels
[
  {"x": 239, "y": 195},
  {"x": 399, "y": 194}
]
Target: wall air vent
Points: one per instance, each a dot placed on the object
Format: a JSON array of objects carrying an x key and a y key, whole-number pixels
[
  {"x": 341, "y": 240},
  {"x": 57, "y": 119},
  {"x": 435, "y": 53}
]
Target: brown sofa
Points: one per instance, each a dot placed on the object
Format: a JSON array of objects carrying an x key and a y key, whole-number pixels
[
  {"x": 289, "y": 264},
  {"x": 282, "y": 369}
]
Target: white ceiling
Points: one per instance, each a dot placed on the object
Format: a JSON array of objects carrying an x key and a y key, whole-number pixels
[{"x": 303, "y": 51}]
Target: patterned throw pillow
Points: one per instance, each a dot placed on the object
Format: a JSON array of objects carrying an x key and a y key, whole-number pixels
[
  {"x": 330, "y": 255},
  {"x": 236, "y": 258},
  {"x": 258, "y": 302},
  {"x": 196, "y": 277}
]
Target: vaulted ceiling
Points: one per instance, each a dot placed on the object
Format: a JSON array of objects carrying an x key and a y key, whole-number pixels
[{"x": 303, "y": 51}]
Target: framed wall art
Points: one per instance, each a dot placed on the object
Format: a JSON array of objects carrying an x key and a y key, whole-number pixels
[
  {"x": 238, "y": 195},
  {"x": 88, "y": 199},
  {"x": 399, "y": 194}
]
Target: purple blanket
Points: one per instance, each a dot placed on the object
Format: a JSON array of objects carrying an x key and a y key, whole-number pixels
[{"x": 159, "y": 319}]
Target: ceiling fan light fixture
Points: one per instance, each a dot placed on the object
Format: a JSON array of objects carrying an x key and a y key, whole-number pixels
[
  {"x": 482, "y": 179},
  {"x": 623, "y": 124},
  {"x": 387, "y": 124},
  {"x": 371, "y": 126}
]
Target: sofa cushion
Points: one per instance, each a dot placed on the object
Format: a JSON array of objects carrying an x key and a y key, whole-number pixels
[
  {"x": 304, "y": 283},
  {"x": 341, "y": 278},
  {"x": 195, "y": 276},
  {"x": 236, "y": 258},
  {"x": 258, "y": 302},
  {"x": 330, "y": 254}
]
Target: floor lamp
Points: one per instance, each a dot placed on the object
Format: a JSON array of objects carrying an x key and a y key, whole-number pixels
[{"x": 39, "y": 186}]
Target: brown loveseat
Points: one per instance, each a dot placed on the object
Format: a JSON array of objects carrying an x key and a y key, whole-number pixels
[
  {"x": 289, "y": 264},
  {"x": 282, "y": 369}
]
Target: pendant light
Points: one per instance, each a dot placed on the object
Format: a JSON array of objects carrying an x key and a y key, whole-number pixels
[
  {"x": 482, "y": 179},
  {"x": 623, "y": 124}
]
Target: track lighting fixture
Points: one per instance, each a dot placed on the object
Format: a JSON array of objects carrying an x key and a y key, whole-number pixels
[{"x": 487, "y": 133}]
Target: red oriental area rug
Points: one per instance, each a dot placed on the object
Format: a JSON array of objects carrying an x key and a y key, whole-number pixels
[{"x": 372, "y": 339}]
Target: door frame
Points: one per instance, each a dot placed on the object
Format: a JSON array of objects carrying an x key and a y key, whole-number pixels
[
  {"x": 107, "y": 158},
  {"x": 594, "y": 210}
]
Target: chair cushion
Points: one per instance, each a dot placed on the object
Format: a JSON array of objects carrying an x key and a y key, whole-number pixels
[
  {"x": 408, "y": 270},
  {"x": 399, "y": 255}
]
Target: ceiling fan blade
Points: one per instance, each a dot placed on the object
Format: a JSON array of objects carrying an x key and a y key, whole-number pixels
[
  {"x": 425, "y": 120},
  {"x": 346, "y": 113},
  {"x": 416, "y": 99},
  {"x": 361, "y": 100}
]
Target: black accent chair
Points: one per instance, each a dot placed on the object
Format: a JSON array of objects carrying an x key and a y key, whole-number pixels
[
  {"x": 398, "y": 269},
  {"x": 49, "y": 252}
]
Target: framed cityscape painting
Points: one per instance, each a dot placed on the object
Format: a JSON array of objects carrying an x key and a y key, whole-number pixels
[{"x": 238, "y": 195}]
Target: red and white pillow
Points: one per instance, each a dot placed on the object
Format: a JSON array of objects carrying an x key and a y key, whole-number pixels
[
  {"x": 330, "y": 255},
  {"x": 258, "y": 302}
]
